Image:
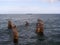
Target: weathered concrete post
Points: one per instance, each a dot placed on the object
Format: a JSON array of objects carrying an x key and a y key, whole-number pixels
[
  {"x": 26, "y": 24},
  {"x": 15, "y": 32},
  {"x": 9, "y": 24},
  {"x": 39, "y": 27}
]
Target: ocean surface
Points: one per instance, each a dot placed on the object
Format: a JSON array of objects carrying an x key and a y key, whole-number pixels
[{"x": 27, "y": 36}]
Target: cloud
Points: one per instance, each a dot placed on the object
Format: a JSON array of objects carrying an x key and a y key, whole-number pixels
[
  {"x": 15, "y": 0},
  {"x": 29, "y": 10},
  {"x": 34, "y": 7},
  {"x": 33, "y": 0},
  {"x": 49, "y": 1}
]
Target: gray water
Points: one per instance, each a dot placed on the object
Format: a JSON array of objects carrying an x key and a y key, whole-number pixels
[{"x": 27, "y": 36}]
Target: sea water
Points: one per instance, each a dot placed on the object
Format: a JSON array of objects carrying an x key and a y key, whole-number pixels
[{"x": 27, "y": 35}]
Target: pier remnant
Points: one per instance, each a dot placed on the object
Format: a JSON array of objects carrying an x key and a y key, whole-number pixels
[
  {"x": 9, "y": 24},
  {"x": 14, "y": 30},
  {"x": 39, "y": 27},
  {"x": 26, "y": 24}
]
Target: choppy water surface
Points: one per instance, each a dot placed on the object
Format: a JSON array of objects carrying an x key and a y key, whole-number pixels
[{"x": 27, "y": 36}]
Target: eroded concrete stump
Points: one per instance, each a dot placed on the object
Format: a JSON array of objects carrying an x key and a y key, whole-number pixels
[
  {"x": 39, "y": 27},
  {"x": 15, "y": 32},
  {"x": 26, "y": 24},
  {"x": 9, "y": 24}
]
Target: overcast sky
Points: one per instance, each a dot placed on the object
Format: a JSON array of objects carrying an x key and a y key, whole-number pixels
[{"x": 29, "y": 6}]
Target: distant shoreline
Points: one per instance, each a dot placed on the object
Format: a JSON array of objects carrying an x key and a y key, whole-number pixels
[{"x": 29, "y": 14}]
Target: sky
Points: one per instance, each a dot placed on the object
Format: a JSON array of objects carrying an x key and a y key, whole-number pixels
[{"x": 29, "y": 6}]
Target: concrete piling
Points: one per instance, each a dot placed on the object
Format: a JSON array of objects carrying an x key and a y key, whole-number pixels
[
  {"x": 39, "y": 27},
  {"x": 14, "y": 30}
]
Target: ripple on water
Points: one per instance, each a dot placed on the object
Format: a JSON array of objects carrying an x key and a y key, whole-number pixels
[{"x": 27, "y": 36}]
